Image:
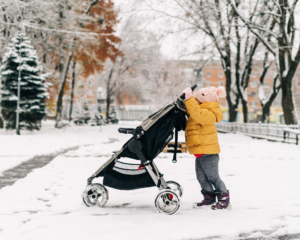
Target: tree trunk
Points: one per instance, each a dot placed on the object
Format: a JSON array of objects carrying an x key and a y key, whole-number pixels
[
  {"x": 109, "y": 93},
  {"x": 72, "y": 91},
  {"x": 232, "y": 113},
  {"x": 267, "y": 105},
  {"x": 287, "y": 67},
  {"x": 61, "y": 90},
  {"x": 59, "y": 102},
  {"x": 288, "y": 106},
  {"x": 1, "y": 122},
  {"x": 231, "y": 107},
  {"x": 64, "y": 74},
  {"x": 58, "y": 116},
  {"x": 245, "y": 110},
  {"x": 107, "y": 107},
  {"x": 266, "y": 112},
  {"x": 286, "y": 76}
]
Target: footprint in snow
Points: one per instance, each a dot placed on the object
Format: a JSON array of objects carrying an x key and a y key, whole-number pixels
[{"x": 121, "y": 205}]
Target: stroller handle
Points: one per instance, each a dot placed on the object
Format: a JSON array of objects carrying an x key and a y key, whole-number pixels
[
  {"x": 126, "y": 130},
  {"x": 136, "y": 132},
  {"x": 182, "y": 96}
]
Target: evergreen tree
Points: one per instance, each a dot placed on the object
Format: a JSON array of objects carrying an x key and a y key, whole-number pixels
[{"x": 33, "y": 91}]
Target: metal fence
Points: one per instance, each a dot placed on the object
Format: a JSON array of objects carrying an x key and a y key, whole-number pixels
[{"x": 271, "y": 131}]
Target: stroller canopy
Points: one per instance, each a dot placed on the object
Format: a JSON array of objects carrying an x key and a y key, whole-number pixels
[{"x": 158, "y": 130}]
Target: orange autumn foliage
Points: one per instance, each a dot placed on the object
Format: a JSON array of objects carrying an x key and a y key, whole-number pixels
[{"x": 92, "y": 52}]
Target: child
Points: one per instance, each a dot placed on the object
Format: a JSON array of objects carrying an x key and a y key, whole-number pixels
[{"x": 203, "y": 112}]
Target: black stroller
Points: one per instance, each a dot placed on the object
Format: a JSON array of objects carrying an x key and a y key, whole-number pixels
[{"x": 149, "y": 139}]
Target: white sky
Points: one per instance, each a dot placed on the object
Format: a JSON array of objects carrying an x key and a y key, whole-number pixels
[
  {"x": 169, "y": 47},
  {"x": 172, "y": 47}
]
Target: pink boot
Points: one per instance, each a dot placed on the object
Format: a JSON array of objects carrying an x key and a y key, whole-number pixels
[{"x": 223, "y": 201}]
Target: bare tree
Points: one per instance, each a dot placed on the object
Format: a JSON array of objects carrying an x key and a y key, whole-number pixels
[
  {"x": 60, "y": 30},
  {"x": 64, "y": 63},
  {"x": 138, "y": 50},
  {"x": 221, "y": 21},
  {"x": 265, "y": 101},
  {"x": 166, "y": 80},
  {"x": 282, "y": 46},
  {"x": 246, "y": 58},
  {"x": 214, "y": 19},
  {"x": 72, "y": 89}
]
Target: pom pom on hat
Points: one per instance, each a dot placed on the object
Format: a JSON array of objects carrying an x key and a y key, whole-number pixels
[{"x": 221, "y": 92}]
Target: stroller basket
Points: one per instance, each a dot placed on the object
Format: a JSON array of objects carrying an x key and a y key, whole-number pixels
[{"x": 125, "y": 176}]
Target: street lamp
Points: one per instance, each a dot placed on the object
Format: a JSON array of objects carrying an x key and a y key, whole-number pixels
[
  {"x": 19, "y": 77},
  {"x": 19, "y": 90}
]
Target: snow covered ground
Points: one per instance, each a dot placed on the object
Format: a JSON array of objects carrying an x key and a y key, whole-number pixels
[
  {"x": 262, "y": 177},
  {"x": 16, "y": 149}
]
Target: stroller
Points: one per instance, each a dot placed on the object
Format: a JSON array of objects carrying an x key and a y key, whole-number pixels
[{"x": 149, "y": 139}]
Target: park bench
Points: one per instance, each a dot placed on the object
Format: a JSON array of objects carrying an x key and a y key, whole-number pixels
[{"x": 170, "y": 148}]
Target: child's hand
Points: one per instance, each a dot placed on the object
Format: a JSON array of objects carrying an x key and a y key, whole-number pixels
[{"x": 188, "y": 93}]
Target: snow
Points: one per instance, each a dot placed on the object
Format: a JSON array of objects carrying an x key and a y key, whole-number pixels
[
  {"x": 262, "y": 178},
  {"x": 47, "y": 141},
  {"x": 4, "y": 92},
  {"x": 34, "y": 82},
  {"x": 8, "y": 162},
  {"x": 12, "y": 98},
  {"x": 7, "y": 72},
  {"x": 26, "y": 67},
  {"x": 44, "y": 95},
  {"x": 245, "y": 94},
  {"x": 291, "y": 130},
  {"x": 261, "y": 94}
]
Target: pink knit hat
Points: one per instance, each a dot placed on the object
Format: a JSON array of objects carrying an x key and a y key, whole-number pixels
[{"x": 210, "y": 94}]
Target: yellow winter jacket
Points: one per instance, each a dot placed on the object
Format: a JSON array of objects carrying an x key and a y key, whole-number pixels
[{"x": 201, "y": 133}]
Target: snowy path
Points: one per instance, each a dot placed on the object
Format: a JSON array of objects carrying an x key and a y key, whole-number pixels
[
  {"x": 17, "y": 149},
  {"x": 10, "y": 176},
  {"x": 262, "y": 177}
]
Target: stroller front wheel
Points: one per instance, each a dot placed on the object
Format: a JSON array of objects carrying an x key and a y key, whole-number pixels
[
  {"x": 176, "y": 187},
  {"x": 167, "y": 201},
  {"x": 95, "y": 195}
]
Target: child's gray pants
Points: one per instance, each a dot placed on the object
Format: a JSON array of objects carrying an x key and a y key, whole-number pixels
[{"x": 207, "y": 171}]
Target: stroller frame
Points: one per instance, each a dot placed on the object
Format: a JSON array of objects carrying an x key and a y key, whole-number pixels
[
  {"x": 158, "y": 129},
  {"x": 168, "y": 199}
]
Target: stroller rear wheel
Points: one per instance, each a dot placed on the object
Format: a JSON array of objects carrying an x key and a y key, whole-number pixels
[
  {"x": 175, "y": 186},
  {"x": 167, "y": 201},
  {"x": 95, "y": 195}
]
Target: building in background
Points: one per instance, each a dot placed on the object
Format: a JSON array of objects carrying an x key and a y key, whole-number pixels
[
  {"x": 204, "y": 74},
  {"x": 212, "y": 74},
  {"x": 193, "y": 70}
]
